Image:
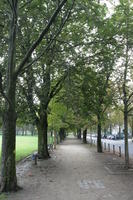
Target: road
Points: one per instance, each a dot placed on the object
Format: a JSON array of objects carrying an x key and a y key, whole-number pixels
[{"x": 117, "y": 143}]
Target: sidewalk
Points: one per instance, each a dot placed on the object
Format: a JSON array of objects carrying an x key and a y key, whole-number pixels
[{"x": 76, "y": 172}]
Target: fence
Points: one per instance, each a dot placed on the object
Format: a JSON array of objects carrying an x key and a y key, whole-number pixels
[{"x": 107, "y": 147}]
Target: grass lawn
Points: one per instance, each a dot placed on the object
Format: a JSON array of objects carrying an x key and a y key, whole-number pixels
[{"x": 25, "y": 145}]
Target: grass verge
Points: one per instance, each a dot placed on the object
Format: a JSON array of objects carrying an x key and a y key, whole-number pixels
[{"x": 25, "y": 145}]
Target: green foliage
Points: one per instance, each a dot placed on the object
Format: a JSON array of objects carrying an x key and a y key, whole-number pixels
[
  {"x": 60, "y": 116},
  {"x": 97, "y": 95}
]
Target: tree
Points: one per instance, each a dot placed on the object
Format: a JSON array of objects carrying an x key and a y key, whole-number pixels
[
  {"x": 97, "y": 96},
  {"x": 123, "y": 16},
  {"x": 8, "y": 169},
  {"x": 44, "y": 92}
]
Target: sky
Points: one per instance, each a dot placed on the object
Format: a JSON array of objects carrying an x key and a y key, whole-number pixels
[{"x": 110, "y": 4}]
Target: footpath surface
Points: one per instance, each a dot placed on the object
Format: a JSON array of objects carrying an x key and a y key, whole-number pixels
[{"x": 75, "y": 172}]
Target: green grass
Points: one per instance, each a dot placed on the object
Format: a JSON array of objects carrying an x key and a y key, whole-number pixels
[
  {"x": 2, "y": 197},
  {"x": 25, "y": 145}
]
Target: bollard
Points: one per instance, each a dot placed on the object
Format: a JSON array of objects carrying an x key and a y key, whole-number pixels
[
  {"x": 105, "y": 146},
  {"x": 108, "y": 147},
  {"x": 113, "y": 149},
  {"x": 55, "y": 140},
  {"x": 119, "y": 151},
  {"x": 91, "y": 142},
  {"x": 34, "y": 158}
]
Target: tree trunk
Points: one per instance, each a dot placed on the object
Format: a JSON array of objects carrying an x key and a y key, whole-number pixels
[
  {"x": 126, "y": 137},
  {"x": 8, "y": 167},
  {"x": 132, "y": 127},
  {"x": 42, "y": 126},
  {"x": 125, "y": 92},
  {"x": 99, "y": 129},
  {"x": 119, "y": 131},
  {"x": 32, "y": 130},
  {"x": 62, "y": 134},
  {"x": 58, "y": 138},
  {"x": 17, "y": 131},
  {"x": 110, "y": 127},
  {"x": 79, "y": 133},
  {"x": 25, "y": 132},
  {"x": 55, "y": 139},
  {"x": 22, "y": 131},
  {"x": 84, "y": 136}
]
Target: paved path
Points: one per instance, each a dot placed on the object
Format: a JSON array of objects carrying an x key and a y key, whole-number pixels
[{"x": 75, "y": 172}]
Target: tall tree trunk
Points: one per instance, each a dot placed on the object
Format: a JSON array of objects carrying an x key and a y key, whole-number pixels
[
  {"x": 25, "y": 132},
  {"x": 110, "y": 127},
  {"x": 79, "y": 133},
  {"x": 132, "y": 127},
  {"x": 17, "y": 131},
  {"x": 84, "y": 136},
  {"x": 42, "y": 126},
  {"x": 62, "y": 134},
  {"x": 99, "y": 129},
  {"x": 125, "y": 92},
  {"x": 119, "y": 131},
  {"x": 55, "y": 139},
  {"x": 32, "y": 130},
  {"x": 58, "y": 138},
  {"x": 8, "y": 164},
  {"x": 22, "y": 131},
  {"x": 126, "y": 137}
]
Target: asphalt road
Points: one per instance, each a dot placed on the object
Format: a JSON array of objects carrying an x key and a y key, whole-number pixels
[{"x": 117, "y": 143}]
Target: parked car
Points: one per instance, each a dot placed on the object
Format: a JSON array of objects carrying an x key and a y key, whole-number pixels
[
  {"x": 111, "y": 137},
  {"x": 120, "y": 136},
  {"x": 104, "y": 136}
]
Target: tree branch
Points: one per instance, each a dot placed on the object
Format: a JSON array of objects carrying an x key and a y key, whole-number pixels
[
  {"x": 57, "y": 87},
  {"x": 2, "y": 91},
  {"x": 66, "y": 17},
  {"x": 25, "y": 4},
  {"x": 130, "y": 110},
  {"x": 40, "y": 38},
  {"x": 130, "y": 96},
  {"x": 10, "y": 4},
  {"x": 30, "y": 102}
]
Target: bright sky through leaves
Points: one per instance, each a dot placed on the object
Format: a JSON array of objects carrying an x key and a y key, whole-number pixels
[{"x": 110, "y": 4}]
